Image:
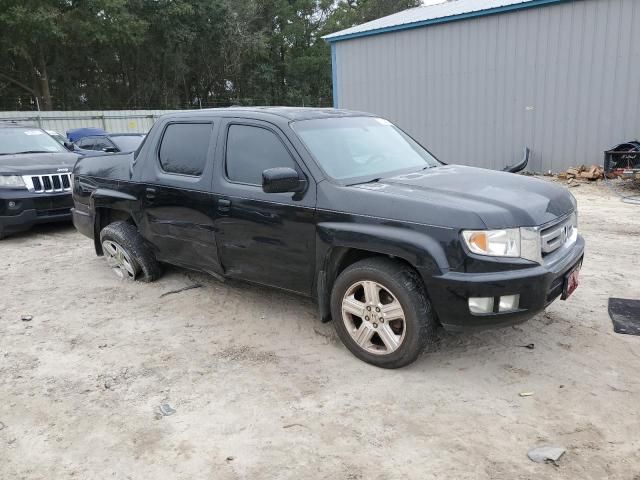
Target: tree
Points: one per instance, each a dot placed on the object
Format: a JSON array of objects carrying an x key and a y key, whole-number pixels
[{"x": 71, "y": 54}]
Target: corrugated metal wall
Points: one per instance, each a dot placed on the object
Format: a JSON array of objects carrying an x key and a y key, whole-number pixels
[
  {"x": 562, "y": 79},
  {"x": 113, "y": 121}
]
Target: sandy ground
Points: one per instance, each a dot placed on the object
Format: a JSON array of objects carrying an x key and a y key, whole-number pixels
[{"x": 262, "y": 389}]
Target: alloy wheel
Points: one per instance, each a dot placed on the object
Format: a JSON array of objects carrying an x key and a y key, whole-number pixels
[
  {"x": 119, "y": 260},
  {"x": 373, "y": 317}
]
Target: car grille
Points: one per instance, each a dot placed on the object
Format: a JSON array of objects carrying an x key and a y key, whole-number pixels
[
  {"x": 555, "y": 236},
  {"x": 55, "y": 182}
]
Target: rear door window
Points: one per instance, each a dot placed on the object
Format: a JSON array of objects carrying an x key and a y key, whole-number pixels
[
  {"x": 183, "y": 149},
  {"x": 251, "y": 150}
]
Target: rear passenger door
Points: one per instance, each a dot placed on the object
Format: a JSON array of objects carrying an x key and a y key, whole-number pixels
[
  {"x": 178, "y": 206},
  {"x": 267, "y": 238}
]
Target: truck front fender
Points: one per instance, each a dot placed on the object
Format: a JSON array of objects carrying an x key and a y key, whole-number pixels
[{"x": 335, "y": 240}]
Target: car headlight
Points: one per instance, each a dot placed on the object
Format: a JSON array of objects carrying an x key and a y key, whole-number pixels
[
  {"x": 510, "y": 242},
  {"x": 496, "y": 243},
  {"x": 11, "y": 181}
]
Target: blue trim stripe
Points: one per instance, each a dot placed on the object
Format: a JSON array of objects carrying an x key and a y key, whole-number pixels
[
  {"x": 451, "y": 18},
  {"x": 334, "y": 75}
]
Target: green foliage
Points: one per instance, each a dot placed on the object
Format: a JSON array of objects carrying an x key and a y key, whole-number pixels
[{"x": 97, "y": 54}]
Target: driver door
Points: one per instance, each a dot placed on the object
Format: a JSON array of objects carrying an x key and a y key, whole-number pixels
[{"x": 267, "y": 238}]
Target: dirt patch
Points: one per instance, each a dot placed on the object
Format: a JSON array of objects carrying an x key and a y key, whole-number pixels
[{"x": 262, "y": 389}]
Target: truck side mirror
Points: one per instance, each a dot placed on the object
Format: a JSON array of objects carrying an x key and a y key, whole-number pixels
[
  {"x": 282, "y": 180},
  {"x": 69, "y": 146}
]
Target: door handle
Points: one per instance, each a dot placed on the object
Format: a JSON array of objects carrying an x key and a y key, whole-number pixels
[
  {"x": 150, "y": 193},
  {"x": 224, "y": 205}
]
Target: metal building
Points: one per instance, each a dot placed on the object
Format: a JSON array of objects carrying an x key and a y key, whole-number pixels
[{"x": 477, "y": 80}]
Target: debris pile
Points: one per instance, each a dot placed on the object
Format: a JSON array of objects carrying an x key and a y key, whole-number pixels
[{"x": 594, "y": 172}]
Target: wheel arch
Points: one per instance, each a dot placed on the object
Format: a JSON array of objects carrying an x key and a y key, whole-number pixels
[
  {"x": 341, "y": 245},
  {"x": 110, "y": 206}
]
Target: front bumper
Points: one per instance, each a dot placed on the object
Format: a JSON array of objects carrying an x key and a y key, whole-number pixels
[
  {"x": 20, "y": 210},
  {"x": 537, "y": 286}
]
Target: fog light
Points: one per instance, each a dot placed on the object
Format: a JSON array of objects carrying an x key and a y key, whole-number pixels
[
  {"x": 12, "y": 204},
  {"x": 509, "y": 302},
  {"x": 481, "y": 304}
]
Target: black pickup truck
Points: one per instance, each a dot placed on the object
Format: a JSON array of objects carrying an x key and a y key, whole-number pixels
[
  {"x": 341, "y": 206},
  {"x": 35, "y": 179}
]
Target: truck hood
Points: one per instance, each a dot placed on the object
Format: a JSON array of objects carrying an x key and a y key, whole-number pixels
[
  {"x": 37, "y": 163},
  {"x": 497, "y": 199}
]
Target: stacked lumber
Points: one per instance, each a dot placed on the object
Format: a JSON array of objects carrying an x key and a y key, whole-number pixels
[{"x": 594, "y": 172}]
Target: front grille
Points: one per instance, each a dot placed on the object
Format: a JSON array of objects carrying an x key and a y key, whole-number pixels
[
  {"x": 555, "y": 236},
  {"x": 55, "y": 182}
]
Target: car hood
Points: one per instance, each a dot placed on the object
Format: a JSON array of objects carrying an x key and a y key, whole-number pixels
[
  {"x": 459, "y": 196},
  {"x": 37, "y": 163}
]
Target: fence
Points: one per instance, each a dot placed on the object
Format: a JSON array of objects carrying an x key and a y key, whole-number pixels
[{"x": 115, "y": 121}]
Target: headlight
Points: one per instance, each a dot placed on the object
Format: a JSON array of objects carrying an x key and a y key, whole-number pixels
[
  {"x": 11, "y": 181},
  {"x": 511, "y": 242},
  {"x": 496, "y": 243}
]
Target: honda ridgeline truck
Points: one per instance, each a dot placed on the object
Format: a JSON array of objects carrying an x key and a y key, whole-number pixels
[{"x": 340, "y": 206}]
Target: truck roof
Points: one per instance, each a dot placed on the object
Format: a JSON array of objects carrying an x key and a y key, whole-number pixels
[{"x": 289, "y": 113}]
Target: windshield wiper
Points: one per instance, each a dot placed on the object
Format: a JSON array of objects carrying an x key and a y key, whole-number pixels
[
  {"x": 29, "y": 151},
  {"x": 374, "y": 180}
]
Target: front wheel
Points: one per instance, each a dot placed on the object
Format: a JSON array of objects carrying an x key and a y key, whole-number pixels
[{"x": 381, "y": 312}]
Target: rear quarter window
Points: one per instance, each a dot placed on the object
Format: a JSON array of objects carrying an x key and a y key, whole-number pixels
[{"x": 184, "y": 146}]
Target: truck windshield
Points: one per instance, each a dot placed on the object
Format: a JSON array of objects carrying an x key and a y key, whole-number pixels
[
  {"x": 15, "y": 140},
  {"x": 361, "y": 148}
]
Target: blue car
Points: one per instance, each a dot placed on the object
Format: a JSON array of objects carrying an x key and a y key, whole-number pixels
[{"x": 76, "y": 134}]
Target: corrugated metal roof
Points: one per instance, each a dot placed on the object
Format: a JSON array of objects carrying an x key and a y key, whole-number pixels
[{"x": 427, "y": 15}]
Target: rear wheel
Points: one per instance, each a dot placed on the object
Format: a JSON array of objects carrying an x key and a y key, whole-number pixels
[
  {"x": 126, "y": 253},
  {"x": 381, "y": 313}
]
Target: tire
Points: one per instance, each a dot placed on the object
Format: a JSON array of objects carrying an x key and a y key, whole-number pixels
[
  {"x": 127, "y": 253},
  {"x": 401, "y": 341}
]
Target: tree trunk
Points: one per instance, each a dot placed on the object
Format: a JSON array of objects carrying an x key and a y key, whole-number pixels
[{"x": 43, "y": 82}]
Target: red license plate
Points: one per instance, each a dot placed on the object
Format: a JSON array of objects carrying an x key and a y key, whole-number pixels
[{"x": 571, "y": 282}]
